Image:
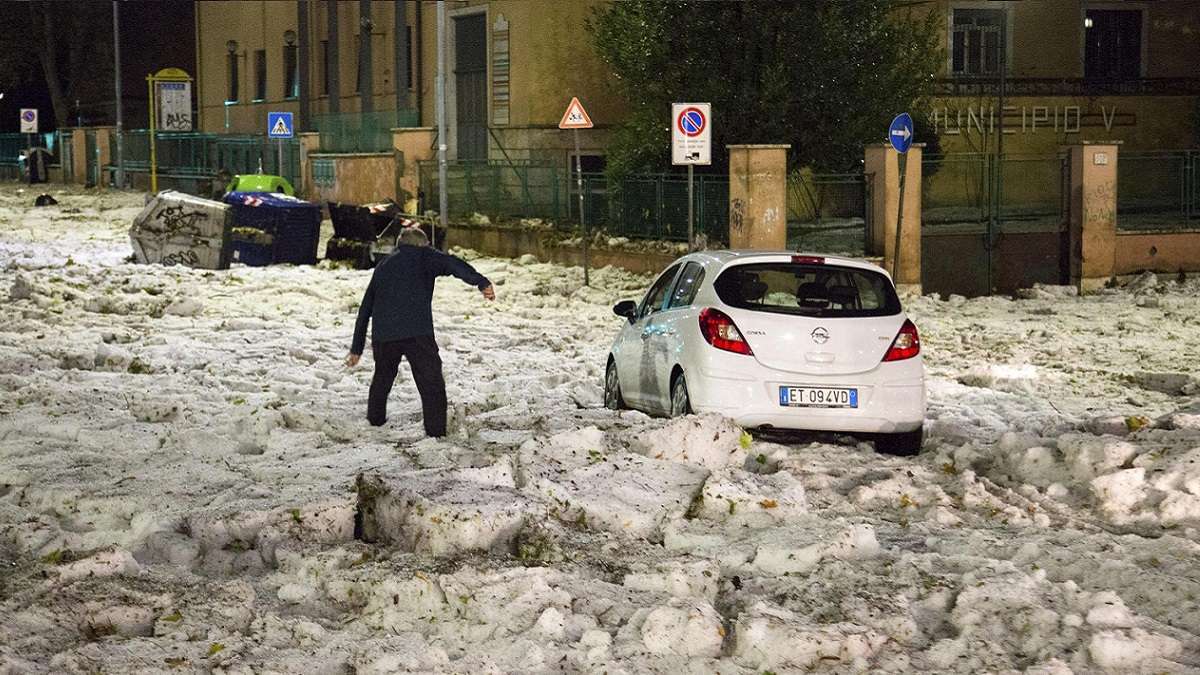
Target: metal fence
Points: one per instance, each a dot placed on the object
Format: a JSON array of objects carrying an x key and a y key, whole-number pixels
[
  {"x": 495, "y": 188},
  {"x": 654, "y": 206},
  {"x": 13, "y": 146},
  {"x": 959, "y": 192},
  {"x": 361, "y": 132},
  {"x": 647, "y": 206},
  {"x": 1158, "y": 190},
  {"x": 196, "y": 156},
  {"x": 828, "y": 212}
]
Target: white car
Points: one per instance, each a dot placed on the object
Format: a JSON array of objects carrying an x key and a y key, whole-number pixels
[{"x": 773, "y": 340}]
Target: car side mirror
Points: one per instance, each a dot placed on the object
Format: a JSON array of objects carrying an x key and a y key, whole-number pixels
[{"x": 627, "y": 309}]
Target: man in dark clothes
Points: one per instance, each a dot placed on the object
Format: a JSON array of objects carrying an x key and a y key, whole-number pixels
[{"x": 398, "y": 301}]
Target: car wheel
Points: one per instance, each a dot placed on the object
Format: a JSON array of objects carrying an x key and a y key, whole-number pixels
[
  {"x": 681, "y": 404},
  {"x": 612, "y": 389},
  {"x": 906, "y": 444}
]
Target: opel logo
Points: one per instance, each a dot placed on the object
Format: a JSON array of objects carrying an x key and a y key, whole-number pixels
[{"x": 820, "y": 335}]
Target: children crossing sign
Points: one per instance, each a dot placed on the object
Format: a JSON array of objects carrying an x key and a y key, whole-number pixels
[
  {"x": 279, "y": 125},
  {"x": 575, "y": 117}
]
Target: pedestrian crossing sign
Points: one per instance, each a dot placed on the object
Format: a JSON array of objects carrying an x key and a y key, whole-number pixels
[{"x": 279, "y": 125}]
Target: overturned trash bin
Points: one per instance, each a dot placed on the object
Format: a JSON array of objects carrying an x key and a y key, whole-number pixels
[
  {"x": 181, "y": 229},
  {"x": 355, "y": 229},
  {"x": 271, "y": 228},
  {"x": 386, "y": 242}
]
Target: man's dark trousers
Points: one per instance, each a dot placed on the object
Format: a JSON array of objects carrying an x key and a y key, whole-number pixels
[{"x": 426, "y": 364}]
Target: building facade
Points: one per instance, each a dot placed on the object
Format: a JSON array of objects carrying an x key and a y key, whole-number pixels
[
  {"x": 1074, "y": 70},
  {"x": 513, "y": 65}
]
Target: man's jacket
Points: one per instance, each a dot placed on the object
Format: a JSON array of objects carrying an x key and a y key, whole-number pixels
[{"x": 399, "y": 299}]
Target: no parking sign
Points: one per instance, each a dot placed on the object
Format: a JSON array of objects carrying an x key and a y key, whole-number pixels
[
  {"x": 29, "y": 120},
  {"x": 691, "y": 133}
]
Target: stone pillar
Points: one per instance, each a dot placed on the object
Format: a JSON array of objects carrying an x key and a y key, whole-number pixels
[
  {"x": 104, "y": 152},
  {"x": 79, "y": 156},
  {"x": 758, "y": 196},
  {"x": 1093, "y": 214},
  {"x": 411, "y": 145},
  {"x": 882, "y": 169},
  {"x": 310, "y": 142}
]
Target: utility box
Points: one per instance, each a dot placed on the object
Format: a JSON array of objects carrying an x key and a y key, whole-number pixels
[{"x": 176, "y": 228}]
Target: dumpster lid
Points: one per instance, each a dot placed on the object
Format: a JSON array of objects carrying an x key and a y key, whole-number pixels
[{"x": 271, "y": 199}]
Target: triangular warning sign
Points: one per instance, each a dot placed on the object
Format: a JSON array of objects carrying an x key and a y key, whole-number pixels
[
  {"x": 280, "y": 128},
  {"x": 575, "y": 117}
]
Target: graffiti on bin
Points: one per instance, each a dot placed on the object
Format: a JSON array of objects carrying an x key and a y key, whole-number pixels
[
  {"x": 185, "y": 257},
  {"x": 176, "y": 220}
]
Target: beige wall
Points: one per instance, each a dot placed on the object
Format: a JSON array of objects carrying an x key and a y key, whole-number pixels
[
  {"x": 260, "y": 24},
  {"x": 358, "y": 179},
  {"x": 1047, "y": 36},
  {"x": 550, "y": 53},
  {"x": 1158, "y": 252}
]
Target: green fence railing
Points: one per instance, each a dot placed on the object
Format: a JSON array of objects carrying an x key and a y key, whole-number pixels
[
  {"x": 496, "y": 188},
  {"x": 648, "y": 206},
  {"x": 1158, "y": 190},
  {"x": 654, "y": 206},
  {"x": 361, "y": 132},
  {"x": 197, "y": 156}
]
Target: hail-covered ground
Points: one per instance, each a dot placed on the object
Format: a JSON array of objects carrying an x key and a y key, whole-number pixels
[{"x": 188, "y": 483}]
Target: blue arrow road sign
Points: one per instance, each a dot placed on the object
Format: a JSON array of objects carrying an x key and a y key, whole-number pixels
[
  {"x": 279, "y": 125},
  {"x": 901, "y": 132}
]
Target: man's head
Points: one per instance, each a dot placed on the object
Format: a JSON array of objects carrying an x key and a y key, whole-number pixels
[{"x": 413, "y": 236}]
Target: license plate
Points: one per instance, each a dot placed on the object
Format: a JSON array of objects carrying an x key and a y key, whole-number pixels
[{"x": 818, "y": 397}]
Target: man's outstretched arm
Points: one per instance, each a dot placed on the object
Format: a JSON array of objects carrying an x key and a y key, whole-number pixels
[
  {"x": 359, "y": 342},
  {"x": 449, "y": 265}
]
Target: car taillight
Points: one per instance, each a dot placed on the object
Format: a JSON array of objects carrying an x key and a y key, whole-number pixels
[
  {"x": 906, "y": 345},
  {"x": 808, "y": 260},
  {"x": 718, "y": 329}
]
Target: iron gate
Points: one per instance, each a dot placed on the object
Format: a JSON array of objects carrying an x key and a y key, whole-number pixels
[{"x": 993, "y": 226}]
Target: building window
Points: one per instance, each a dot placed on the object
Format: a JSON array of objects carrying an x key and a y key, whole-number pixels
[
  {"x": 325, "y": 67},
  {"x": 976, "y": 38},
  {"x": 291, "y": 71},
  {"x": 1113, "y": 44},
  {"x": 231, "y": 69},
  {"x": 260, "y": 74}
]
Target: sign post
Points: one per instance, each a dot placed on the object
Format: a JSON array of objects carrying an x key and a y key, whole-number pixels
[
  {"x": 691, "y": 144},
  {"x": 29, "y": 125},
  {"x": 576, "y": 118},
  {"x": 170, "y": 109},
  {"x": 279, "y": 127},
  {"x": 901, "y": 137}
]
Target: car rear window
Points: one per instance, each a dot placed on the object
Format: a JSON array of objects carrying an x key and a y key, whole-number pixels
[{"x": 807, "y": 290}]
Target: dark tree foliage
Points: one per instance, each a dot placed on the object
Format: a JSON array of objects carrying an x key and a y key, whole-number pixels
[
  {"x": 825, "y": 76},
  {"x": 65, "y": 45}
]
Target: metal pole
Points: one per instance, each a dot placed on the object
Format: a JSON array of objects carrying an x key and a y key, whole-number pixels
[
  {"x": 366, "y": 86},
  {"x": 400, "y": 55},
  {"x": 153, "y": 156},
  {"x": 998, "y": 163},
  {"x": 441, "y": 115},
  {"x": 582, "y": 217},
  {"x": 279, "y": 156},
  {"x": 691, "y": 206},
  {"x": 333, "y": 67},
  {"x": 903, "y": 162},
  {"x": 116, "y": 10},
  {"x": 302, "y": 66}
]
